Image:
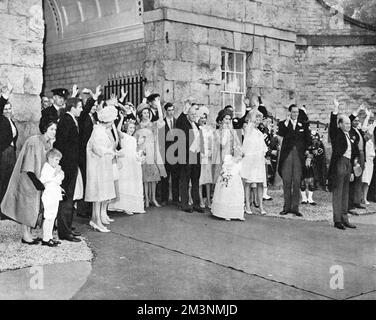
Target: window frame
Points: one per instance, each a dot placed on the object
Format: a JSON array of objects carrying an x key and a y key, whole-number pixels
[{"x": 234, "y": 72}]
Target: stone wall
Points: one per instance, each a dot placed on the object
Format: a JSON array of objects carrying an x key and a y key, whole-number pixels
[
  {"x": 333, "y": 57},
  {"x": 184, "y": 57},
  {"x": 90, "y": 67},
  {"x": 21, "y": 60},
  {"x": 347, "y": 72}
]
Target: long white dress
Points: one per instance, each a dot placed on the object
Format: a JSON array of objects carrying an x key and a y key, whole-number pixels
[
  {"x": 228, "y": 201},
  {"x": 368, "y": 168},
  {"x": 253, "y": 168},
  {"x": 130, "y": 197}
]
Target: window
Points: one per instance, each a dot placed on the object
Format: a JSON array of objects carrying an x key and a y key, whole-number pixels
[{"x": 233, "y": 80}]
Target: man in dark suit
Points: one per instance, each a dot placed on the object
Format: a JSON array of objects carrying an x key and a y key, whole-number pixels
[
  {"x": 172, "y": 168},
  {"x": 355, "y": 188},
  {"x": 189, "y": 157},
  {"x": 55, "y": 111},
  {"x": 68, "y": 142},
  {"x": 296, "y": 138},
  {"x": 86, "y": 123},
  {"x": 345, "y": 151}
]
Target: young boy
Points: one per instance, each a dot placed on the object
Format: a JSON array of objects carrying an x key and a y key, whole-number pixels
[{"x": 52, "y": 177}]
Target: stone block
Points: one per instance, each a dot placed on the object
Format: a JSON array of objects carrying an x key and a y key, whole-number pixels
[
  {"x": 26, "y": 107},
  {"x": 15, "y": 75},
  {"x": 271, "y": 46},
  {"x": 13, "y": 26},
  {"x": 186, "y": 51},
  {"x": 6, "y": 51},
  {"x": 246, "y": 43},
  {"x": 287, "y": 48},
  {"x": 204, "y": 53},
  {"x": 178, "y": 31},
  {"x": 199, "y": 34},
  {"x": 168, "y": 91},
  {"x": 219, "y": 8},
  {"x": 284, "y": 81},
  {"x": 177, "y": 70},
  {"x": 215, "y": 94},
  {"x": 254, "y": 78},
  {"x": 236, "y": 10},
  {"x": 215, "y": 56},
  {"x": 200, "y": 91},
  {"x": 182, "y": 90},
  {"x": 170, "y": 50},
  {"x": 206, "y": 74},
  {"x": 29, "y": 54},
  {"x": 221, "y": 38},
  {"x": 250, "y": 11},
  {"x": 199, "y": 6},
  {"x": 22, "y": 7},
  {"x": 259, "y": 43},
  {"x": 33, "y": 80}
]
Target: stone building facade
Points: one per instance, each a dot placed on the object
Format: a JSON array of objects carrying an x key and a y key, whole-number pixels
[
  {"x": 216, "y": 51},
  {"x": 21, "y": 60}
]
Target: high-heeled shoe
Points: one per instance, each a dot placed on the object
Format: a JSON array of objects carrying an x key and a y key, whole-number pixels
[
  {"x": 98, "y": 228},
  {"x": 155, "y": 203},
  {"x": 247, "y": 211}
]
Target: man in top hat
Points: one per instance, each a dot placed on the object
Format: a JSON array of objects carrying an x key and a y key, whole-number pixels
[{"x": 55, "y": 111}]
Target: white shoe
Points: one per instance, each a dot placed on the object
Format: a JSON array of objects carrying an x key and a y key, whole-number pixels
[
  {"x": 227, "y": 219},
  {"x": 129, "y": 213},
  {"x": 97, "y": 228},
  {"x": 366, "y": 202},
  {"x": 248, "y": 211}
]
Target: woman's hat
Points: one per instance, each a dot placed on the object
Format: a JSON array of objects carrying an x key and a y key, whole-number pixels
[
  {"x": 107, "y": 114},
  {"x": 203, "y": 110}
]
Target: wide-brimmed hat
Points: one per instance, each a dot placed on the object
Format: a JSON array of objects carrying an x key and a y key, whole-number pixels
[{"x": 107, "y": 114}]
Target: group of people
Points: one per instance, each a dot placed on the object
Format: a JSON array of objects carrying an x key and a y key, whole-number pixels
[{"x": 94, "y": 156}]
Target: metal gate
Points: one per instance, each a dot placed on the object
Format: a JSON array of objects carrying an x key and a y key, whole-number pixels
[{"x": 132, "y": 82}]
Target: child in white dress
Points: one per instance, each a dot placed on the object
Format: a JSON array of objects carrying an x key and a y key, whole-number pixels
[
  {"x": 51, "y": 176},
  {"x": 228, "y": 199}
]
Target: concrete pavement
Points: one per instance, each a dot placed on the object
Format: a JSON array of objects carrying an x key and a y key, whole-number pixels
[{"x": 169, "y": 254}]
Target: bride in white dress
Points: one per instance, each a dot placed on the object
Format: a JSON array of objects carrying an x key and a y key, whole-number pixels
[
  {"x": 130, "y": 196},
  {"x": 228, "y": 198}
]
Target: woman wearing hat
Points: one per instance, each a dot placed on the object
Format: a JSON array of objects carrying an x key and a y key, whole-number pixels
[
  {"x": 22, "y": 199},
  {"x": 225, "y": 141},
  {"x": 153, "y": 168},
  {"x": 101, "y": 169}
]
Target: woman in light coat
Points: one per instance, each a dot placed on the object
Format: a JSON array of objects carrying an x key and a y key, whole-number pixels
[{"x": 101, "y": 168}]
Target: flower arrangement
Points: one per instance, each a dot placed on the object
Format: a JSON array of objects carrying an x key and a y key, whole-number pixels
[{"x": 225, "y": 176}]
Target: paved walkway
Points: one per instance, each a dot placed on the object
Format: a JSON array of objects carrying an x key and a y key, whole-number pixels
[{"x": 169, "y": 254}]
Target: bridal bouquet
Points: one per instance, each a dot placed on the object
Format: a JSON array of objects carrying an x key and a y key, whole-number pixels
[{"x": 225, "y": 176}]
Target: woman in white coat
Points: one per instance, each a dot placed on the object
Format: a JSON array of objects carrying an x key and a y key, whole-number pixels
[
  {"x": 101, "y": 176},
  {"x": 253, "y": 170}
]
